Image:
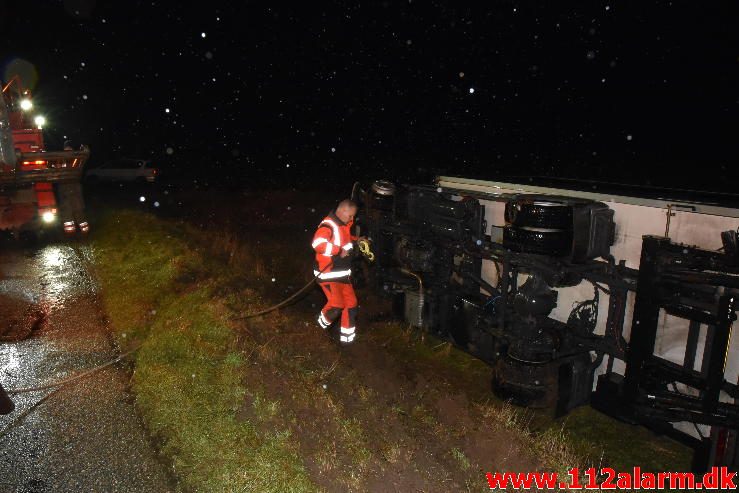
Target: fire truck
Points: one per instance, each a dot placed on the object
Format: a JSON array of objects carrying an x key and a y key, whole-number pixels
[{"x": 40, "y": 190}]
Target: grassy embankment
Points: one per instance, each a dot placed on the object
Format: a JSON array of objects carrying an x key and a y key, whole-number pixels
[
  {"x": 211, "y": 390},
  {"x": 163, "y": 291}
]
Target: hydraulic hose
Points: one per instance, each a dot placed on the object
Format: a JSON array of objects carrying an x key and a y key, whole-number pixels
[
  {"x": 57, "y": 386},
  {"x": 286, "y": 301},
  {"x": 65, "y": 381}
]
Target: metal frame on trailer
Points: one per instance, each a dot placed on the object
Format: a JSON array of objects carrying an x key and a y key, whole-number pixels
[{"x": 702, "y": 287}]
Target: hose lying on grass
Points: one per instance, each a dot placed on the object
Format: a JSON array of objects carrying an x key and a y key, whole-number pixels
[
  {"x": 286, "y": 301},
  {"x": 71, "y": 379},
  {"x": 65, "y": 381},
  {"x": 85, "y": 373},
  {"x": 57, "y": 386}
]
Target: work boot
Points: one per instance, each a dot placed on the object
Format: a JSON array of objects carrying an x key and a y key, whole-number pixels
[
  {"x": 347, "y": 335},
  {"x": 323, "y": 322}
]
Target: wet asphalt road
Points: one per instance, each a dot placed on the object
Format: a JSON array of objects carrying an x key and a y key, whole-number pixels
[{"x": 86, "y": 436}]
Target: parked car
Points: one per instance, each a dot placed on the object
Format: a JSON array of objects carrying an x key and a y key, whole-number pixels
[{"x": 124, "y": 170}]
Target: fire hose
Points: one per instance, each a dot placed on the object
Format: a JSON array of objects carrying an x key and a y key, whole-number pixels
[
  {"x": 364, "y": 249},
  {"x": 72, "y": 378},
  {"x": 7, "y": 406},
  {"x": 287, "y": 300}
]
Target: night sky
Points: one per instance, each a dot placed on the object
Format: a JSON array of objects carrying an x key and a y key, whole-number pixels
[{"x": 640, "y": 92}]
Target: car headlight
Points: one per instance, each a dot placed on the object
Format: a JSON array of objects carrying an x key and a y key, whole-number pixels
[{"x": 48, "y": 217}]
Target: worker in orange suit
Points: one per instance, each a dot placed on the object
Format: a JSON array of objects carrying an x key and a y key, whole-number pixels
[{"x": 334, "y": 244}]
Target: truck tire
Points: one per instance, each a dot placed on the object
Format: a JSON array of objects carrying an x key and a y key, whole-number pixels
[
  {"x": 551, "y": 242},
  {"x": 525, "y": 385},
  {"x": 540, "y": 211}
]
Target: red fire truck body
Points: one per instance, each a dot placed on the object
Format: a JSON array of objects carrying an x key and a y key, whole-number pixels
[{"x": 39, "y": 189}]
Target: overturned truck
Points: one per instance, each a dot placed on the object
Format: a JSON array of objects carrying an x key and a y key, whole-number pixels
[{"x": 621, "y": 301}]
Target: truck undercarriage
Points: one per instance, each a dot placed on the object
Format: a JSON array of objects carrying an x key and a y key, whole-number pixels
[{"x": 527, "y": 283}]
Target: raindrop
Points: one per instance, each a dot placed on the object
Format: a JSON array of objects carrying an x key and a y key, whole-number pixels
[
  {"x": 142, "y": 199},
  {"x": 333, "y": 149},
  {"x": 629, "y": 137},
  {"x": 202, "y": 35},
  {"x": 472, "y": 90},
  {"x": 461, "y": 75},
  {"x": 170, "y": 151}
]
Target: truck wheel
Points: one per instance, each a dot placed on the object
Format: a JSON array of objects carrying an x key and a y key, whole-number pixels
[
  {"x": 540, "y": 211},
  {"x": 551, "y": 242},
  {"x": 525, "y": 385}
]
